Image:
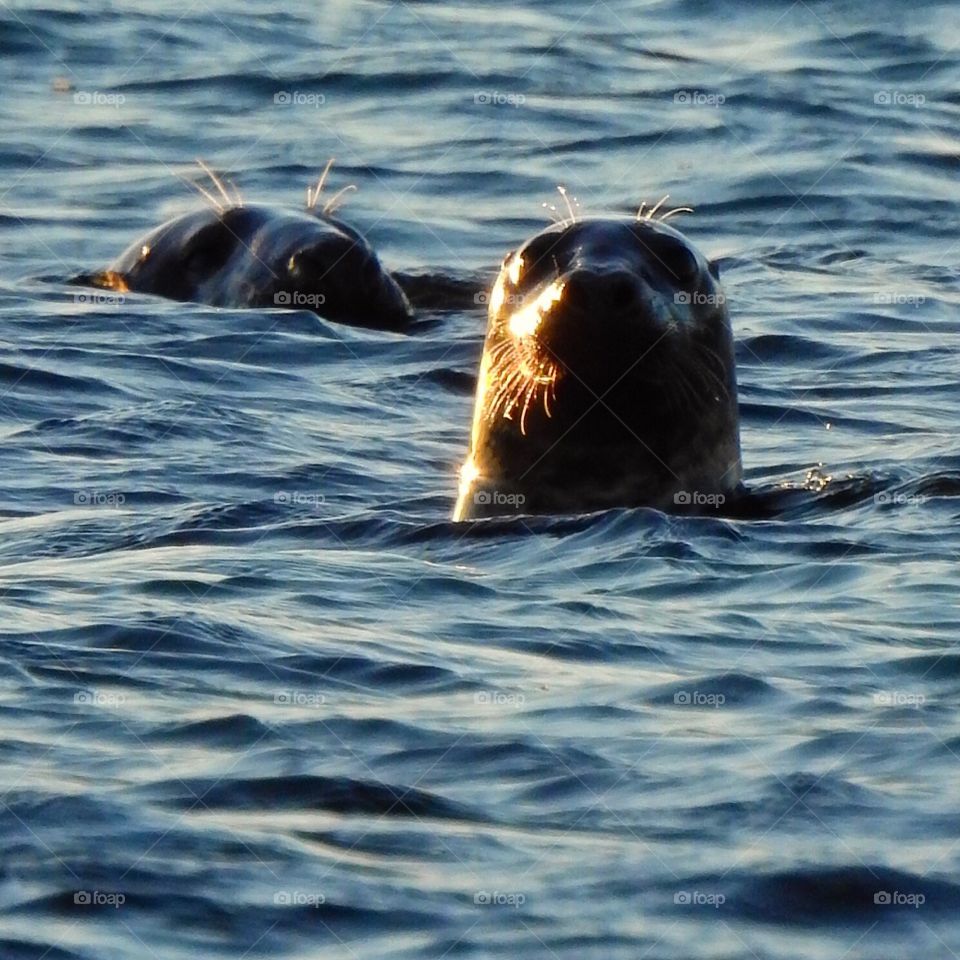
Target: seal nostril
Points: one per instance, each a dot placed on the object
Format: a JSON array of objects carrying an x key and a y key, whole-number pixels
[
  {"x": 586, "y": 290},
  {"x": 621, "y": 292},
  {"x": 580, "y": 290}
]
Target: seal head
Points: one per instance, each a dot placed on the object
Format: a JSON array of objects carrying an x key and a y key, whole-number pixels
[
  {"x": 607, "y": 377},
  {"x": 257, "y": 256}
]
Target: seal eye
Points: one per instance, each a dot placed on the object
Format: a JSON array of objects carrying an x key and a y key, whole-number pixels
[
  {"x": 536, "y": 262},
  {"x": 309, "y": 264},
  {"x": 678, "y": 260},
  {"x": 208, "y": 249},
  {"x": 328, "y": 260}
]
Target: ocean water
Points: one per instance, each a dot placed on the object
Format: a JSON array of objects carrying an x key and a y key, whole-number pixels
[{"x": 259, "y": 697}]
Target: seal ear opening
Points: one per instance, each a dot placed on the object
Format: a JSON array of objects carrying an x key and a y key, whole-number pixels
[{"x": 714, "y": 267}]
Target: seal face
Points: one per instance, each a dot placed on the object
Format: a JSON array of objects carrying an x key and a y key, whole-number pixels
[
  {"x": 607, "y": 377},
  {"x": 256, "y": 256}
]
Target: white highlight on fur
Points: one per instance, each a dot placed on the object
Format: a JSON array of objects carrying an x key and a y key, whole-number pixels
[{"x": 525, "y": 321}]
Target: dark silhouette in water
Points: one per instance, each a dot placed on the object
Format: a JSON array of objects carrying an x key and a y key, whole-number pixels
[
  {"x": 608, "y": 377},
  {"x": 255, "y": 256}
]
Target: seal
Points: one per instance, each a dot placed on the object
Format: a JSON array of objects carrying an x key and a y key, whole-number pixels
[
  {"x": 233, "y": 255},
  {"x": 607, "y": 378}
]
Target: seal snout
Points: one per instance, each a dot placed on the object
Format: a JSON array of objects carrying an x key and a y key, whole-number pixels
[
  {"x": 606, "y": 290},
  {"x": 605, "y": 311},
  {"x": 349, "y": 279}
]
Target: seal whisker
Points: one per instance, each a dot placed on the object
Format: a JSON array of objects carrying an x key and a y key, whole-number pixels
[
  {"x": 551, "y": 212},
  {"x": 505, "y": 361},
  {"x": 508, "y": 395},
  {"x": 238, "y": 196},
  {"x": 682, "y": 375},
  {"x": 530, "y": 393},
  {"x": 209, "y": 197},
  {"x": 217, "y": 182},
  {"x": 712, "y": 362},
  {"x": 331, "y": 205},
  {"x": 678, "y": 392},
  {"x": 716, "y": 380},
  {"x": 313, "y": 195},
  {"x": 687, "y": 390},
  {"x": 669, "y": 213},
  {"x": 657, "y": 206},
  {"x": 649, "y": 215},
  {"x": 550, "y": 393},
  {"x": 496, "y": 400},
  {"x": 512, "y": 380},
  {"x": 566, "y": 199},
  {"x": 522, "y": 374},
  {"x": 712, "y": 354}
]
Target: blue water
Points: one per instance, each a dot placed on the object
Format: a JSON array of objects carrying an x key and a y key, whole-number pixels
[{"x": 260, "y": 698}]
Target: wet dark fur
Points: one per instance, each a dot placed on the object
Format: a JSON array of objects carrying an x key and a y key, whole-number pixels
[
  {"x": 638, "y": 404},
  {"x": 255, "y": 256}
]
